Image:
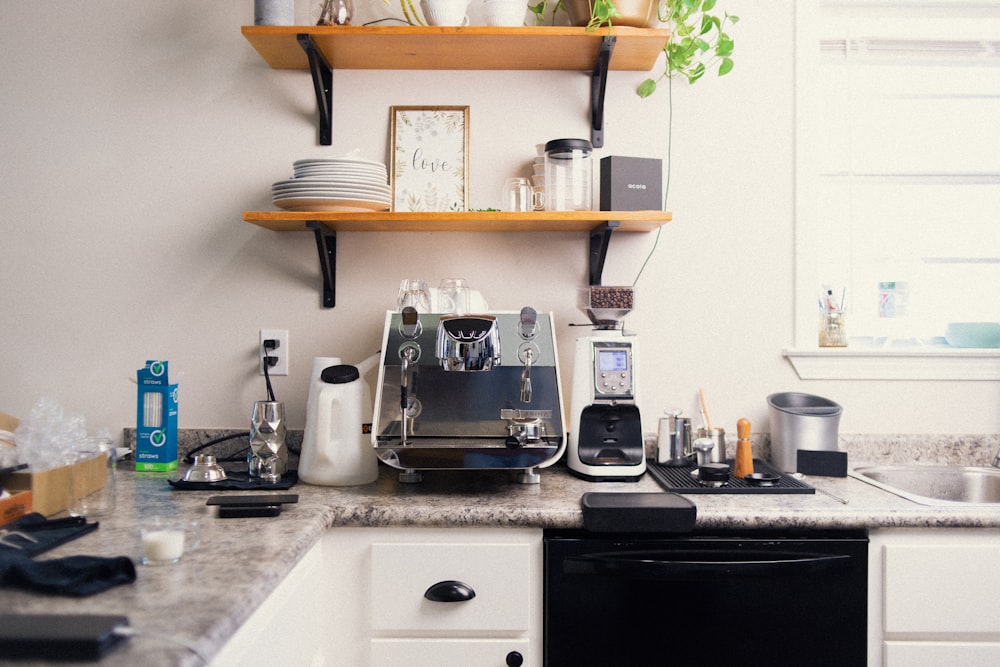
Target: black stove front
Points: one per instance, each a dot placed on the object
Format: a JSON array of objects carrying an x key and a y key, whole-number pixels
[{"x": 746, "y": 599}]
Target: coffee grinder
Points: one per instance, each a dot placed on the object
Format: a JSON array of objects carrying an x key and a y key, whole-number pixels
[{"x": 605, "y": 440}]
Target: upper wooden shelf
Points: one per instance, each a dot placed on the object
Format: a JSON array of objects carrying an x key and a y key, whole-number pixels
[
  {"x": 472, "y": 221},
  {"x": 452, "y": 48}
]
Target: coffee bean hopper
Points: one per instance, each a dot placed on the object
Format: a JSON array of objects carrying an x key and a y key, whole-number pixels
[
  {"x": 469, "y": 392},
  {"x": 605, "y": 432}
]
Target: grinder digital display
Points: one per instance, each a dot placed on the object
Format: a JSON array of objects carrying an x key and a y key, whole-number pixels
[{"x": 613, "y": 370}]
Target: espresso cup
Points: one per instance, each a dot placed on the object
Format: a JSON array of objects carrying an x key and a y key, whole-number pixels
[{"x": 518, "y": 195}]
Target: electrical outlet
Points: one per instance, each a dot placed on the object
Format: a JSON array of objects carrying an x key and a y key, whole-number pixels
[{"x": 281, "y": 352}]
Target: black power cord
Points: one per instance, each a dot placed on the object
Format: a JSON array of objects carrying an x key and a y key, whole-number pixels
[
  {"x": 190, "y": 455},
  {"x": 269, "y": 361}
]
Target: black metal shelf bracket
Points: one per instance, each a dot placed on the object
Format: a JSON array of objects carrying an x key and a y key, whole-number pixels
[
  {"x": 598, "y": 84},
  {"x": 326, "y": 245},
  {"x": 322, "y": 76},
  {"x": 600, "y": 238}
]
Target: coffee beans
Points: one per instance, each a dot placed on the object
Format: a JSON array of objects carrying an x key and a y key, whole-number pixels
[{"x": 612, "y": 298}]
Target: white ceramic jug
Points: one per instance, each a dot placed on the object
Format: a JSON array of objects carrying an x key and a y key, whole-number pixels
[{"x": 336, "y": 450}]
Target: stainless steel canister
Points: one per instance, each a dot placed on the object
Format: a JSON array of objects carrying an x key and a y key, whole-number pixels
[
  {"x": 718, "y": 436},
  {"x": 801, "y": 421}
]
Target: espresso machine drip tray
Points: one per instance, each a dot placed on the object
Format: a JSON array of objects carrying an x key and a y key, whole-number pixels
[{"x": 680, "y": 479}]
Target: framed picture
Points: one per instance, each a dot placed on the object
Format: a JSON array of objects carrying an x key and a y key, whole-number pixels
[{"x": 430, "y": 158}]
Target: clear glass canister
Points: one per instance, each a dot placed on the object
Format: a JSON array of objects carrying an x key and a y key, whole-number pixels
[{"x": 569, "y": 173}]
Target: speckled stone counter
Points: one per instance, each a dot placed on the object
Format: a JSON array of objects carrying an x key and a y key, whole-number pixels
[{"x": 203, "y": 599}]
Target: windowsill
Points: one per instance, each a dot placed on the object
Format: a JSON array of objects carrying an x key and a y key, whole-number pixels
[{"x": 875, "y": 363}]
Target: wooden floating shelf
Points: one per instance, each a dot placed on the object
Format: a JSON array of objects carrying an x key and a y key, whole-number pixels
[
  {"x": 473, "y": 221},
  {"x": 458, "y": 48}
]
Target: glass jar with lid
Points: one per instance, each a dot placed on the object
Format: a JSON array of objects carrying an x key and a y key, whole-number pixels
[{"x": 569, "y": 173}]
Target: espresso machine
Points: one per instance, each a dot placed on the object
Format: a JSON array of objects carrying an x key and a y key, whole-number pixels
[
  {"x": 605, "y": 433},
  {"x": 470, "y": 392}
]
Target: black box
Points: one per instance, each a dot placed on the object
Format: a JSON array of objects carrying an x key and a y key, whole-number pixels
[
  {"x": 822, "y": 463},
  {"x": 631, "y": 183},
  {"x": 637, "y": 512}
]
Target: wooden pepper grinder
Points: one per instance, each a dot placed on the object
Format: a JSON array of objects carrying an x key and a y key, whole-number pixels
[{"x": 743, "y": 465}]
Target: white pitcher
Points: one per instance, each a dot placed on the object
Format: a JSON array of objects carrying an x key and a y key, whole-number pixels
[{"x": 336, "y": 450}]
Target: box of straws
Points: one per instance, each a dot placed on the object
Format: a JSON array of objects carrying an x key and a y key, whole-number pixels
[{"x": 156, "y": 419}]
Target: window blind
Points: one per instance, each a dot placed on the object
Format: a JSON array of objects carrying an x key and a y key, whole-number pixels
[{"x": 898, "y": 165}]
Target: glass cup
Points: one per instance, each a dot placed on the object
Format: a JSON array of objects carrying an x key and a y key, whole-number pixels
[
  {"x": 832, "y": 332},
  {"x": 518, "y": 195},
  {"x": 454, "y": 296},
  {"x": 413, "y": 292},
  {"x": 165, "y": 539},
  {"x": 85, "y": 500}
]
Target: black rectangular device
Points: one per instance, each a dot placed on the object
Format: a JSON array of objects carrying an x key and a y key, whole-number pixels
[
  {"x": 60, "y": 636},
  {"x": 253, "y": 500}
]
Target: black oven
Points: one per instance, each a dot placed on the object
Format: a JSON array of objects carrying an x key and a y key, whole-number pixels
[{"x": 734, "y": 598}]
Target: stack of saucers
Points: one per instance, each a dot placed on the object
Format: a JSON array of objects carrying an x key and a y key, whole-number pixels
[{"x": 334, "y": 184}]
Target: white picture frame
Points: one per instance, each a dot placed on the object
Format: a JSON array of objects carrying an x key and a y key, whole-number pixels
[{"x": 430, "y": 158}]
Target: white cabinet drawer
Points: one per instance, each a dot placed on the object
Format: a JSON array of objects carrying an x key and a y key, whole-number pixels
[
  {"x": 941, "y": 654},
  {"x": 438, "y": 652},
  {"x": 942, "y": 589},
  {"x": 499, "y": 574}
]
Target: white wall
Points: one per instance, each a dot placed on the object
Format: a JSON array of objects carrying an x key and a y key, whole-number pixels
[{"x": 134, "y": 135}]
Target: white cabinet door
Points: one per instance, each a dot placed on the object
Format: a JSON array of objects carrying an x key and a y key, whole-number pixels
[
  {"x": 289, "y": 627},
  {"x": 934, "y": 597},
  {"x": 952, "y": 589}
]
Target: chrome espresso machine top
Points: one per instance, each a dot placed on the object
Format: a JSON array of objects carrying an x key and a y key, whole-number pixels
[{"x": 477, "y": 391}]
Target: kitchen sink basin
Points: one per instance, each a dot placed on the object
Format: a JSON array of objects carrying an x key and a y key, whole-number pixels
[{"x": 935, "y": 484}]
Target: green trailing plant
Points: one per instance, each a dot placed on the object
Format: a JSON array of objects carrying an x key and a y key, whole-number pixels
[
  {"x": 542, "y": 6},
  {"x": 602, "y": 12},
  {"x": 698, "y": 41}
]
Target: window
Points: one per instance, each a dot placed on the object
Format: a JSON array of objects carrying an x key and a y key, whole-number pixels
[{"x": 897, "y": 167}]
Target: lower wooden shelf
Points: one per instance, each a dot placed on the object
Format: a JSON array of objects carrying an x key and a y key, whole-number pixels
[
  {"x": 472, "y": 221},
  {"x": 597, "y": 224}
]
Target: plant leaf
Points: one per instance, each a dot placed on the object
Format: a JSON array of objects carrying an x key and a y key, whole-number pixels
[
  {"x": 646, "y": 88},
  {"x": 726, "y": 66}
]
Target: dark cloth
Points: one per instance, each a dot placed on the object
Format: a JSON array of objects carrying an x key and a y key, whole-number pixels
[
  {"x": 45, "y": 533},
  {"x": 76, "y": 576}
]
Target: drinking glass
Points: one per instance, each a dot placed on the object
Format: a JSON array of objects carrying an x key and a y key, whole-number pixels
[
  {"x": 413, "y": 292},
  {"x": 518, "y": 195},
  {"x": 85, "y": 499},
  {"x": 454, "y": 296}
]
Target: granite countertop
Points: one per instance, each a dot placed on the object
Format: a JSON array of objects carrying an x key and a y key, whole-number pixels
[{"x": 203, "y": 599}]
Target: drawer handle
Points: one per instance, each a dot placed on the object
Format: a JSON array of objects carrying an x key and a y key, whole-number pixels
[{"x": 450, "y": 591}]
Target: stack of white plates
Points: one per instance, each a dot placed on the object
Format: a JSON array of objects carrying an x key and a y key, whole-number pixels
[{"x": 334, "y": 184}]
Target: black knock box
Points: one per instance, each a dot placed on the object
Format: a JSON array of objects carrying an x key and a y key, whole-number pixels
[{"x": 631, "y": 183}]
